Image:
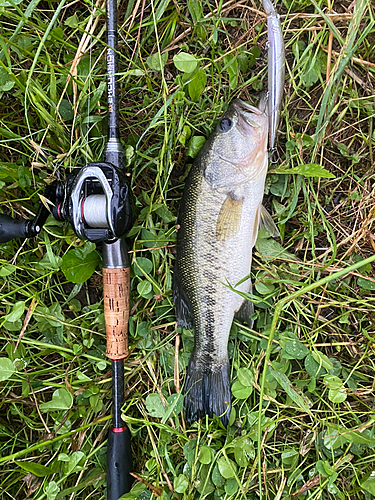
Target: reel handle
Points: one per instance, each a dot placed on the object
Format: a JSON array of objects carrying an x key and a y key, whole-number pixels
[
  {"x": 24, "y": 228},
  {"x": 16, "y": 228}
]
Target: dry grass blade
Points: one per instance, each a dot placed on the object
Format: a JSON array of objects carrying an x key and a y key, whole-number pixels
[{"x": 348, "y": 49}]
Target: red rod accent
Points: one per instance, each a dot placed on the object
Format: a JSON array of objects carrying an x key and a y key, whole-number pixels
[
  {"x": 83, "y": 217},
  {"x": 118, "y": 429},
  {"x": 59, "y": 211}
]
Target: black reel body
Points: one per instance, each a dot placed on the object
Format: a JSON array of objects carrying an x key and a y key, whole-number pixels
[{"x": 95, "y": 202}]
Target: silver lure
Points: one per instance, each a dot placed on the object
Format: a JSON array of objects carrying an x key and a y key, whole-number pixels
[{"x": 276, "y": 69}]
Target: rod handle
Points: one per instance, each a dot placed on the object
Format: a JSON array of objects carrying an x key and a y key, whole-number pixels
[
  {"x": 116, "y": 285},
  {"x": 119, "y": 463}
]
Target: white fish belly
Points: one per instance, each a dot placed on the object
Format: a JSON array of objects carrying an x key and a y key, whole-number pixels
[{"x": 221, "y": 262}]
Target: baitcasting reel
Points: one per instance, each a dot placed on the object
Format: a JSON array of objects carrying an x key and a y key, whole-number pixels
[{"x": 95, "y": 202}]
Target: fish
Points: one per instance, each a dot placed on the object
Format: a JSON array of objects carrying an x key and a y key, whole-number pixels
[
  {"x": 217, "y": 225},
  {"x": 276, "y": 69}
]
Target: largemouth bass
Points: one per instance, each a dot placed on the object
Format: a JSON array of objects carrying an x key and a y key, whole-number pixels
[{"x": 218, "y": 221}]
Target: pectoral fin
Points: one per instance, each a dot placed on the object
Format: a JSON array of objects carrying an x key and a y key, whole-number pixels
[
  {"x": 266, "y": 222},
  {"x": 263, "y": 220},
  {"x": 228, "y": 222}
]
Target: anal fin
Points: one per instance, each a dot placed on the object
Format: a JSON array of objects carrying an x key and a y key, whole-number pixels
[{"x": 246, "y": 310}]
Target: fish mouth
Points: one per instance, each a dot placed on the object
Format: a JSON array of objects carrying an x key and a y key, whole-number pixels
[
  {"x": 247, "y": 117},
  {"x": 244, "y": 107}
]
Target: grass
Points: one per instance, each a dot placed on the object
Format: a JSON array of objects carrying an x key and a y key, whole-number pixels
[{"x": 303, "y": 428}]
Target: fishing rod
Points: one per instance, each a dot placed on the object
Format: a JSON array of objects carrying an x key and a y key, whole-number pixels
[
  {"x": 116, "y": 285},
  {"x": 96, "y": 202}
]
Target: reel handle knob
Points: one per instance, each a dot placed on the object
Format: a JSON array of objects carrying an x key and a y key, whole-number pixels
[
  {"x": 15, "y": 228},
  {"x": 28, "y": 228}
]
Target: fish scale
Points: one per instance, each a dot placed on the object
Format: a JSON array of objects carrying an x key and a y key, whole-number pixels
[{"x": 218, "y": 222}]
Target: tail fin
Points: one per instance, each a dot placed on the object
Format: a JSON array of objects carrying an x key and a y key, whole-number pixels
[{"x": 207, "y": 391}]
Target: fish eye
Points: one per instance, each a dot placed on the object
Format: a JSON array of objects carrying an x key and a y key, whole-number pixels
[{"x": 226, "y": 124}]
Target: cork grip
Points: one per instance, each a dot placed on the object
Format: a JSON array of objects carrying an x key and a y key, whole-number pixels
[{"x": 116, "y": 311}]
